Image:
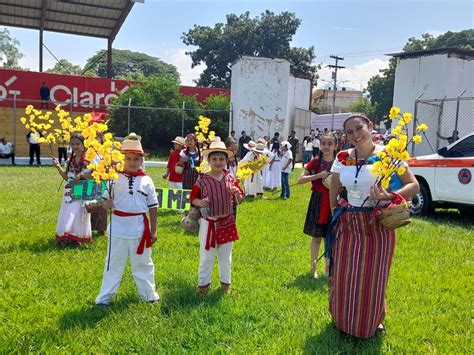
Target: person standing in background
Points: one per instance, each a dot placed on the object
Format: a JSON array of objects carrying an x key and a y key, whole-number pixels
[
  {"x": 44, "y": 94},
  {"x": 32, "y": 139},
  {"x": 6, "y": 150},
  {"x": 244, "y": 139},
  {"x": 294, "y": 147}
]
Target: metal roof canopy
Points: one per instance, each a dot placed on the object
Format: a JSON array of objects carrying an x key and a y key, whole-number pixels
[
  {"x": 92, "y": 18},
  {"x": 464, "y": 53}
]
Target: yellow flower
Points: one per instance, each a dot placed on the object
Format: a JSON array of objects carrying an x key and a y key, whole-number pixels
[
  {"x": 117, "y": 144},
  {"x": 407, "y": 117},
  {"x": 422, "y": 127},
  {"x": 23, "y": 120},
  {"x": 417, "y": 139},
  {"x": 394, "y": 112},
  {"x": 404, "y": 156},
  {"x": 90, "y": 154},
  {"x": 57, "y": 108},
  {"x": 108, "y": 136},
  {"x": 401, "y": 170}
]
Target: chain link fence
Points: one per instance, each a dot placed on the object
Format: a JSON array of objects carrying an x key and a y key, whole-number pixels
[
  {"x": 448, "y": 119},
  {"x": 157, "y": 126}
]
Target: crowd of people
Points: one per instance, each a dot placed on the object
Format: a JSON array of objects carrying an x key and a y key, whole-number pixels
[{"x": 358, "y": 250}]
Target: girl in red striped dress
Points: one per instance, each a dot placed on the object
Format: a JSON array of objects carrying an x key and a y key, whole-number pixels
[
  {"x": 360, "y": 248},
  {"x": 216, "y": 193}
]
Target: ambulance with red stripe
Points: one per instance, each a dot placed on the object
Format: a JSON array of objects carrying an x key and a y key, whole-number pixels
[{"x": 446, "y": 178}]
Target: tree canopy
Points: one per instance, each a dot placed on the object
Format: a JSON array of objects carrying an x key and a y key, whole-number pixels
[
  {"x": 66, "y": 67},
  {"x": 9, "y": 52},
  {"x": 126, "y": 63},
  {"x": 381, "y": 85},
  {"x": 363, "y": 106},
  {"x": 268, "y": 35}
]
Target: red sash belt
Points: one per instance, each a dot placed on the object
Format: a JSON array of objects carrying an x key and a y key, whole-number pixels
[
  {"x": 221, "y": 231},
  {"x": 146, "y": 237}
]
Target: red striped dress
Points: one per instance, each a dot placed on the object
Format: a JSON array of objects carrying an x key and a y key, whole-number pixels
[{"x": 221, "y": 203}]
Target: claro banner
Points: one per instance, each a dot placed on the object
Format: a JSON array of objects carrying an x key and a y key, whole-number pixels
[{"x": 85, "y": 93}]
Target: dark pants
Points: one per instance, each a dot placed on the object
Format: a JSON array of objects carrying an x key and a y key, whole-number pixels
[
  {"x": 62, "y": 153},
  {"x": 285, "y": 185},
  {"x": 315, "y": 152},
  {"x": 9, "y": 155},
  {"x": 44, "y": 102},
  {"x": 35, "y": 149},
  {"x": 293, "y": 152}
]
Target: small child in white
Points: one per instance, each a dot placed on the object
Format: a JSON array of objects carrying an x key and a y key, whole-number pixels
[{"x": 131, "y": 234}]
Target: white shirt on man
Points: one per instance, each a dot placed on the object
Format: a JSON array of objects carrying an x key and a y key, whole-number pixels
[
  {"x": 6, "y": 148},
  {"x": 284, "y": 160}
]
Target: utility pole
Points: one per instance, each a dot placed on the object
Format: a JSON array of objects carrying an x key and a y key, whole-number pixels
[{"x": 334, "y": 75}]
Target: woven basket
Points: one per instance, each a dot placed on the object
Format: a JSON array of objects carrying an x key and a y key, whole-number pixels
[
  {"x": 327, "y": 182},
  {"x": 178, "y": 169},
  {"x": 395, "y": 216}
]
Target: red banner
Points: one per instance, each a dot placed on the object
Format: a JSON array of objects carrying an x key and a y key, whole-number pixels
[
  {"x": 85, "y": 93},
  {"x": 79, "y": 93}
]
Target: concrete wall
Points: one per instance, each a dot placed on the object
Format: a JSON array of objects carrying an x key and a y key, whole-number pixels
[
  {"x": 264, "y": 96},
  {"x": 435, "y": 76}
]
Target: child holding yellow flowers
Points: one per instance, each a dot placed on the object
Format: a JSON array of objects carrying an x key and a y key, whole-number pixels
[
  {"x": 131, "y": 233},
  {"x": 359, "y": 247},
  {"x": 74, "y": 222}
]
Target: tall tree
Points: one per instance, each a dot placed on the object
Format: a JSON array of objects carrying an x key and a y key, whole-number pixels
[
  {"x": 363, "y": 106},
  {"x": 9, "y": 52},
  {"x": 66, "y": 67},
  {"x": 126, "y": 63},
  {"x": 266, "y": 36},
  {"x": 381, "y": 85}
]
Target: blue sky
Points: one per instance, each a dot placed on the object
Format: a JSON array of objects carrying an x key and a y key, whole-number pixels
[{"x": 360, "y": 31}]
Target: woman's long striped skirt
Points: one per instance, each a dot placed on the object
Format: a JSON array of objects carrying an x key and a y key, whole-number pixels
[{"x": 362, "y": 253}]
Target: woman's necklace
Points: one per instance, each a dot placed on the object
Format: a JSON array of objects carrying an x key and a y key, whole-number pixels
[{"x": 359, "y": 165}]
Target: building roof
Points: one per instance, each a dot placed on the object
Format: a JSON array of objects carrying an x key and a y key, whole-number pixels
[
  {"x": 463, "y": 53},
  {"x": 93, "y": 18}
]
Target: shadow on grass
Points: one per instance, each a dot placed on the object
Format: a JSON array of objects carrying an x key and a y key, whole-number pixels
[
  {"x": 185, "y": 297},
  {"x": 90, "y": 315},
  {"x": 306, "y": 282},
  {"x": 444, "y": 216},
  {"x": 332, "y": 340},
  {"x": 43, "y": 247}
]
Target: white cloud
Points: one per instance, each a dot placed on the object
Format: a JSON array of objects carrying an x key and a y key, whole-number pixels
[
  {"x": 182, "y": 61},
  {"x": 355, "y": 77},
  {"x": 436, "y": 33}
]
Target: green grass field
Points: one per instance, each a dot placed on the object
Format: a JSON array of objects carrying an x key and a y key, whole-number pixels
[{"x": 47, "y": 294}]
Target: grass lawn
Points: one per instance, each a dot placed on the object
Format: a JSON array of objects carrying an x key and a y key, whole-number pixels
[{"x": 47, "y": 294}]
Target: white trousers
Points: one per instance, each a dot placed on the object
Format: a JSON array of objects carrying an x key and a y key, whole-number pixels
[
  {"x": 176, "y": 185},
  {"x": 224, "y": 257},
  {"x": 143, "y": 270},
  {"x": 254, "y": 187}
]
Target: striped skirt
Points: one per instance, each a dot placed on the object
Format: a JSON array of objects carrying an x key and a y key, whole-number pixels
[
  {"x": 190, "y": 176},
  {"x": 362, "y": 252}
]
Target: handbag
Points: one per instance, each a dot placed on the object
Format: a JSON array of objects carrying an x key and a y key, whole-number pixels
[{"x": 191, "y": 221}]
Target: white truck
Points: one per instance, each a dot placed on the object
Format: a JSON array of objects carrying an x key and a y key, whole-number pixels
[{"x": 446, "y": 178}]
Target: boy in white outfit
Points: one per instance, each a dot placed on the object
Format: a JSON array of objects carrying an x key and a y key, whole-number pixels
[{"x": 131, "y": 234}]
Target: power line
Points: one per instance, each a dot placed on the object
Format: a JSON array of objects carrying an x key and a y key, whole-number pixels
[{"x": 336, "y": 67}]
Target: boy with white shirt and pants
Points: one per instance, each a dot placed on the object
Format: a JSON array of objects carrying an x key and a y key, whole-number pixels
[{"x": 131, "y": 234}]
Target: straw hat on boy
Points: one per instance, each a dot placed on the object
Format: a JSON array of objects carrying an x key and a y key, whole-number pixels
[
  {"x": 217, "y": 146},
  {"x": 132, "y": 144},
  {"x": 179, "y": 140}
]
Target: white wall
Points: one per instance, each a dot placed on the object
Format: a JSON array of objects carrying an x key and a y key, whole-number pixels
[
  {"x": 264, "y": 96},
  {"x": 259, "y": 96},
  {"x": 436, "y": 76}
]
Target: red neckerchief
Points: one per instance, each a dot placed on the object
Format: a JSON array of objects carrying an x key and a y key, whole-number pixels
[{"x": 138, "y": 173}]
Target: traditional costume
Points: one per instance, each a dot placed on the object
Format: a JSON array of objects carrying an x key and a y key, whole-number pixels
[
  {"x": 218, "y": 230},
  {"x": 175, "y": 178},
  {"x": 254, "y": 183},
  {"x": 360, "y": 251},
  {"x": 190, "y": 174},
  {"x": 319, "y": 210},
  {"x": 273, "y": 179},
  {"x": 129, "y": 233},
  {"x": 74, "y": 222}
]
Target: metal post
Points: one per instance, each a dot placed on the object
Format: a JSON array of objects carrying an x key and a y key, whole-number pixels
[
  {"x": 334, "y": 87},
  {"x": 182, "y": 118},
  {"x": 415, "y": 111},
  {"x": 455, "y": 133},
  {"x": 128, "y": 115},
  {"x": 41, "y": 50},
  {"x": 231, "y": 118},
  {"x": 14, "y": 120},
  {"x": 109, "y": 58}
]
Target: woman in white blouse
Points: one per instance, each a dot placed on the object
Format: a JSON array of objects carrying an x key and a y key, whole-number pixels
[{"x": 360, "y": 249}]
